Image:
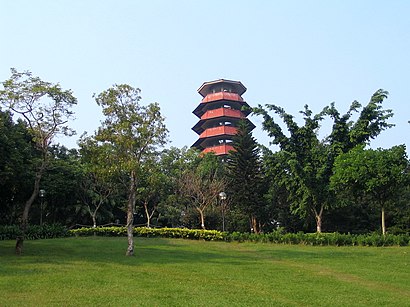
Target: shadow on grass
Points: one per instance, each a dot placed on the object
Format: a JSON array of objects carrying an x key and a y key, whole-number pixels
[
  {"x": 159, "y": 251},
  {"x": 105, "y": 250}
]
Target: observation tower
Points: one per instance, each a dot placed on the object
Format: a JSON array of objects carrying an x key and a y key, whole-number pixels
[{"x": 219, "y": 112}]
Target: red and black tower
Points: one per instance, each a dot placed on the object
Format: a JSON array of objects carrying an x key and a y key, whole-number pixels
[{"x": 219, "y": 111}]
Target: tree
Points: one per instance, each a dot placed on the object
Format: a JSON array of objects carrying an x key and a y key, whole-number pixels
[
  {"x": 61, "y": 183},
  {"x": 277, "y": 195},
  {"x": 132, "y": 133},
  {"x": 376, "y": 176},
  {"x": 16, "y": 158},
  {"x": 152, "y": 188},
  {"x": 309, "y": 161},
  {"x": 245, "y": 185},
  {"x": 202, "y": 184},
  {"x": 174, "y": 162},
  {"x": 46, "y": 109},
  {"x": 98, "y": 182}
]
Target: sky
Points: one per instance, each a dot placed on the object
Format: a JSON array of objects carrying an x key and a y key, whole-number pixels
[{"x": 289, "y": 53}]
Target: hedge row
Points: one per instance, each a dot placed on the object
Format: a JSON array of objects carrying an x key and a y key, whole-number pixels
[
  {"x": 334, "y": 239},
  {"x": 278, "y": 236},
  {"x": 184, "y": 233},
  {"x": 34, "y": 232}
]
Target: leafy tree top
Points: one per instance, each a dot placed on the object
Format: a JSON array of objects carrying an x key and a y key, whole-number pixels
[{"x": 45, "y": 107}]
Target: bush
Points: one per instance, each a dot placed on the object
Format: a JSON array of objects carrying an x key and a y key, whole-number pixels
[
  {"x": 277, "y": 236},
  {"x": 9, "y": 232},
  {"x": 196, "y": 234},
  {"x": 334, "y": 239},
  {"x": 34, "y": 232}
]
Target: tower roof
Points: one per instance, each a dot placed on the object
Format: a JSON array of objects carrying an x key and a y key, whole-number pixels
[{"x": 206, "y": 87}]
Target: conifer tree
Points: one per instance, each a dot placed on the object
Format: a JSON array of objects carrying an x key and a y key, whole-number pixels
[{"x": 245, "y": 177}]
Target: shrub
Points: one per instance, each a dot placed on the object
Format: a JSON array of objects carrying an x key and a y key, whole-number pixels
[
  {"x": 34, "y": 232},
  {"x": 276, "y": 236},
  {"x": 197, "y": 234}
]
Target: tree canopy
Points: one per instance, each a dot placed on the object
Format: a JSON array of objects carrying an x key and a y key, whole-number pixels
[
  {"x": 46, "y": 109},
  {"x": 376, "y": 176},
  {"x": 309, "y": 160}
]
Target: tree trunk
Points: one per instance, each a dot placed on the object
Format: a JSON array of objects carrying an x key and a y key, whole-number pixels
[
  {"x": 202, "y": 217},
  {"x": 94, "y": 220},
  {"x": 318, "y": 218},
  {"x": 254, "y": 225},
  {"x": 147, "y": 214},
  {"x": 318, "y": 223},
  {"x": 383, "y": 222},
  {"x": 130, "y": 215},
  {"x": 26, "y": 211}
]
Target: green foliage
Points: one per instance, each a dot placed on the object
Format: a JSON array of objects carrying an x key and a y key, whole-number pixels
[
  {"x": 17, "y": 156},
  {"x": 99, "y": 183},
  {"x": 133, "y": 130},
  {"x": 277, "y": 236},
  {"x": 308, "y": 161},
  {"x": 183, "y": 233},
  {"x": 321, "y": 239},
  {"x": 132, "y": 133},
  {"x": 173, "y": 163},
  {"x": 199, "y": 186},
  {"x": 62, "y": 186},
  {"x": 245, "y": 183},
  {"x": 34, "y": 232},
  {"x": 347, "y": 134},
  {"x": 46, "y": 109},
  {"x": 376, "y": 172},
  {"x": 378, "y": 177}
]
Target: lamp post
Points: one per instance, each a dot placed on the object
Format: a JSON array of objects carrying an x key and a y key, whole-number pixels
[
  {"x": 42, "y": 194},
  {"x": 222, "y": 197}
]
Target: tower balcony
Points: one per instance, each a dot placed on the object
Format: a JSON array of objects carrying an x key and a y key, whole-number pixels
[
  {"x": 223, "y": 149},
  {"x": 221, "y": 116},
  {"x": 217, "y": 131},
  {"x": 221, "y": 96},
  {"x": 202, "y": 108},
  {"x": 222, "y": 112}
]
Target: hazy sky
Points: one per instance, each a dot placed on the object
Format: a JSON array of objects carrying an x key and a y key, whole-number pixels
[{"x": 289, "y": 53}]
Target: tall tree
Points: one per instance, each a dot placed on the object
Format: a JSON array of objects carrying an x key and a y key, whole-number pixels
[
  {"x": 376, "y": 176},
  {"x": 245, "y": 185},
  {"x": 46, "y": 109},
  {"x": 132, "y": 132},
  {"x": 309, "y": 161}
]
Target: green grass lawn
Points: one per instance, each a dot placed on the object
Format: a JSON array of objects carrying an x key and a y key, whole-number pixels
[{"x": 93, "y": 271}]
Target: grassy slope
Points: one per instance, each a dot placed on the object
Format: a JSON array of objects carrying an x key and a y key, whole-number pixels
[{"x": 169, "y": 272}]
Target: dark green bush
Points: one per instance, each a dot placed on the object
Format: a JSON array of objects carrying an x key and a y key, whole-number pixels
[
  {"x": 9, "y": 232},
  {"x": 34, "y": 232},
  {"x": 334, "y": 239}
]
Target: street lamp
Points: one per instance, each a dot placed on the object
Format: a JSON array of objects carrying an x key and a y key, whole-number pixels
[
  {"x": 222, "y": 197},
  {"x": 42, "y": 194}
]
